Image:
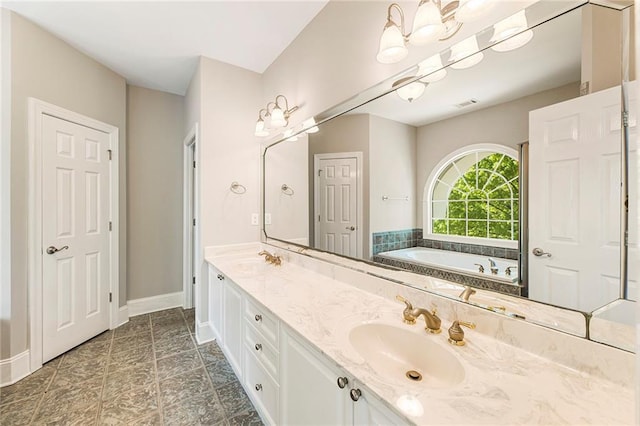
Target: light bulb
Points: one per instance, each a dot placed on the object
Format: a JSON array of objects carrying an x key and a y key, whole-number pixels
[
  {"x": 465, "y": 54},
  {"x": 505, "y": 30},
  {"x": 472, "y": 10},
  {"x": 277, "y": 118},
  {"x": 427, "y": 24},
  {"x": 432, "y": 69},
  {"x": 392, "y": 48},
  {"x": 287, "y": 135},
  {"x": 310, "y": 125}
]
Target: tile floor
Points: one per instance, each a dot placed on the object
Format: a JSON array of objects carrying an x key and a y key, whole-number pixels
[{"x": 149, "y": 371}]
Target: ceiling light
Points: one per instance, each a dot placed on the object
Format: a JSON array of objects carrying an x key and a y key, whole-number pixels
[
  {"x": 310, "y": 125},
  {"x": 432, "y": 22},
  {"x": 287, "y": 135},
  {"x": 409, "y": 92},
  {"x": 465, "y": 54},
  {"x": 275, "y": 116},
  {"x": 427, "y": 24},
  {"x": 511, "y": 33},
  {"x": 472, "y": 10},
  {"x": 432, "y": 69}
]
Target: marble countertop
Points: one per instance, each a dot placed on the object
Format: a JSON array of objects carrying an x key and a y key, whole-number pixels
[{"x": 502, "y": 384}]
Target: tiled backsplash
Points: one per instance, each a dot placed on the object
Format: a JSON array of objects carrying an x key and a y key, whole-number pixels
[{"x": 405, "y": 238}]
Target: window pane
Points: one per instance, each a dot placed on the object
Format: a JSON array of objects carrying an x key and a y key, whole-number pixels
[
  {"x": 440, "y": 191},
  {"x": 457, "y": 195},
  {"x": 516, "y": 229},
  {"x": 490, "y": 162},
  {"x": 457, "y": 227},
  {"x": 515, "y": 187},
  {"x": 500, "y": 210},
  {"x": 483, "y": 178},
  {"x": 439, "y": 210},
  {"x": 439, "y": 227},
  {"x": 508, "y": 168},
  {"x": 501, "y": 230},
  {"x": 470, "y": 177},
  {"x": 457, "y": 210},
  {"x": 502, "y": 193},
  {"x": 477, "y": 228},
  {"x": 494, "y": 182},
  {"x": 477, "y": 210}
]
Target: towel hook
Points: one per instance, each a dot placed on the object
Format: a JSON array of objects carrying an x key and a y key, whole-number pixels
[
  {"x": 287, "y": 189},
  {"x": 237, "y": 188}
]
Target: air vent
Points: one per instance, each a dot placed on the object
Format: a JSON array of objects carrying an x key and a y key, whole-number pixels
[{"x": 466, "y": 103}]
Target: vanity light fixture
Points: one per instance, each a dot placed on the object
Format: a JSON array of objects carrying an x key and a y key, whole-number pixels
[
  {"x": 277, "y": 113},
  {"x": 432, "y": 70},
  {"x": 310, "y": 125},
  {"x": 432, "y": 22},
  {"x": 511, "y": 33},
  {"x": 465, "y": 54},
  {"x": 409, "y": 92},
  {"x": 287, "y": 135}
]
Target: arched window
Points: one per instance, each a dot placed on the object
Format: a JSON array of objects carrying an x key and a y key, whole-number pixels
[{"x": 474, "y": 192}]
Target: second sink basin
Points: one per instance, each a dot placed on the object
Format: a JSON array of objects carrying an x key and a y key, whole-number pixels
[{"x": 402, "y": 356}]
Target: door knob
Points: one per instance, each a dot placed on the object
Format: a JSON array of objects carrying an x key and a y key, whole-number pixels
[
  {"x": 52, "y": 249},
  {"x": 342, "y": 382},
  {"x": 539, "y": 252},
  {"x": 355, "y": 394},
  {"x": 350, "y": 228}
]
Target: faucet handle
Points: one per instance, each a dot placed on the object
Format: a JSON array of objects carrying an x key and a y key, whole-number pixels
[
  {"x": 456, "y": 334},
  {"x": 407, "y": 317},
  {"x": 480, "y": 267}
]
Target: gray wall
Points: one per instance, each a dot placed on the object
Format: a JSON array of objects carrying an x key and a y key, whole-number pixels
[
  {"x": 155, "y": 133},
  {"x": 44, "y": 67},
  {"x": 504, "y": 124}
]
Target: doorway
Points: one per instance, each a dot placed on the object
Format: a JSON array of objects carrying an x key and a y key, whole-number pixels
[
  {"x": 73, "y": 231},
  {"x": 338, "y": 203},
  {"x": 191, "y": 253}
]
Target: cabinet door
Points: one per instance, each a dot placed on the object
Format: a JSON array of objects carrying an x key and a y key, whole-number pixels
[
  {"x": 310, "y": 394},
  {"x": 371, "y": 412},
  {"x": 232, "y": 334},
  {"x": 216, "y": 284}
]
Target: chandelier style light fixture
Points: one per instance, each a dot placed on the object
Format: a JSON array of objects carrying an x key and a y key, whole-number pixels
[
  {"x": 432, "y": 22},
  {"x": 274, "y": 116}
]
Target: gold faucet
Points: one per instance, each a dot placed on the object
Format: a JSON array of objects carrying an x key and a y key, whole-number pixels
[
  {"x": 270, "y": 258},
  {"x": 410, "y": 314},
  {"x": 456, "y": 334},
  {"x": 466, "y": 293}
]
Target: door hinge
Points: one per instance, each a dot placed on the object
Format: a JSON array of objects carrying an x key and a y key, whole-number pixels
[
  {"x": 110, "y": 226},
  {"x": 194, "y": 280},
  {"x": 110, "y": 297},
  {"x": 318, "y": 218},
  {"x": 110, "y": 153},
  {"x": 194, "y": 222},
  {"x": 319, "y": 171},
  {"x": 625, "y": 118},
  {"x": 194, "y": 164}
]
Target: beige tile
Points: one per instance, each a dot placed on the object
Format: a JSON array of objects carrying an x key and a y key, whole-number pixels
[
  {"x": 87, "y": 351},
  {"x": 233, "y": 398},
  {"x": 58, "y": 403},
  {"x": 32, "y": 385},
  {"x": 211, "y": 353},
  {"x": 76, "y": 415},
  {"x": 128, "y": 359},
  {"x": 123, "y": 381},
  {"x": 131, "y": 342},
  {"x": 78, "y": 373},
  {"x": 152, "y": 419},
  {"x": 221, "y": 373},
  {"x": 175, "y": 312},
  {"x": 184, "y": 386},
  {"x": 249, "y": 418},
  {"x": 203, "y": 409},
  {"x": 177, "y": 364},
  {"x": 132, "y": 327},
  {"x": 128, "y": 406},
  {"x": 18, "y": 413},
  {"x": 173, "y": 346}
]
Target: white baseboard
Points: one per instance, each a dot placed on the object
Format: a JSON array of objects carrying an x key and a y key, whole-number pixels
[
  {"x": 204, "y": 332},
  {"x": 155, "y": 303},
  {"x": 14, "y": 368},
  {"x": 123, "y": 315}
]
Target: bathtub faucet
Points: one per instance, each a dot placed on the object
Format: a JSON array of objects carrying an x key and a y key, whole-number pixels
[
  {"x": 494, "y": 268},
  {"x": 410, "y": 314}
]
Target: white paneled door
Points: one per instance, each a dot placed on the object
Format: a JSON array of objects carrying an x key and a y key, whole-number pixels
[
  {"x": 337, "y": 219},
  {"x": 75, "y": 234},
  {"x": 575, "y": 201}
]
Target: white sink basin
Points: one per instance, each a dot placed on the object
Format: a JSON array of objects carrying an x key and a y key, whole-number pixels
[{"x": 396, "y": 353}]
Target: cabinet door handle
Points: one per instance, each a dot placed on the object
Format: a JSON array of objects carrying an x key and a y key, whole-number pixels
[
  {"x": 220, "y": 277},
  {"x": 342, "y": 382},
  {"x": 258, "y": 346},
  {"x": 258, "y": 387},
  {"x": 355, "y": 394},
  {"x": 258, "y": 317}
]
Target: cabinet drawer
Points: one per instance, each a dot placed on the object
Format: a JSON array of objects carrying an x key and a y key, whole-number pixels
[
  {"x": 262, "y": 390},
  {"x": 261, "y": 348},
  {"x": 264, "y": 323}
]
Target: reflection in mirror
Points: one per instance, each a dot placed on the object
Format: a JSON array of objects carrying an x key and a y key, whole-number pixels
[{"x": 503, "y": 176}]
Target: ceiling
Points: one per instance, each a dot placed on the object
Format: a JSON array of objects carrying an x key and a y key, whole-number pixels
[
  {"x": 157, "y": 44},
  {"x": 551, "y": 59}
]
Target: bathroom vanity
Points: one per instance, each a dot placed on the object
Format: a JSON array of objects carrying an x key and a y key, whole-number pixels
[{"x": 315, "y": 342}]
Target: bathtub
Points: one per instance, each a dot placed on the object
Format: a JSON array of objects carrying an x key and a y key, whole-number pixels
[{"x": 453, "y": 261}]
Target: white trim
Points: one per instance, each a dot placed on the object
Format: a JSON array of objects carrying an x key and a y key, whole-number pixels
[
  {"x": 14, "y": 368},
  {"x": 123, "y": 315},
  {"x": 191, "y": 153},
  {"x": 359, "y": 199},
  {"x": 204, "y": 332},
  {"x": 37, "y": 109},
  {"x": 146, "y": 305},
  {"x": 431, "y": 181}
]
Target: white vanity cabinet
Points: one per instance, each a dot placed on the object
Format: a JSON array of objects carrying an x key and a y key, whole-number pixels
[{"x": 216, "y": 286}]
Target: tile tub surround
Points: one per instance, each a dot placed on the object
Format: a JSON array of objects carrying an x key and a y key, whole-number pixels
[
  {"x": 148, "y": 371},
  {"x": 500, "y": 387},
  {"x": 394, "y": 240},
  {"x": 484, "y": 250},
  {"x": 463, "y": 279}
]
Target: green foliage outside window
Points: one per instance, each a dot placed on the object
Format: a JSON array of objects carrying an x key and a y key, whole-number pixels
[{"x": 482, "y": 199}]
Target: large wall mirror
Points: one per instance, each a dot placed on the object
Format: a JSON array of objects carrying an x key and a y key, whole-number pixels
[{"x": 512, "y": 171}]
